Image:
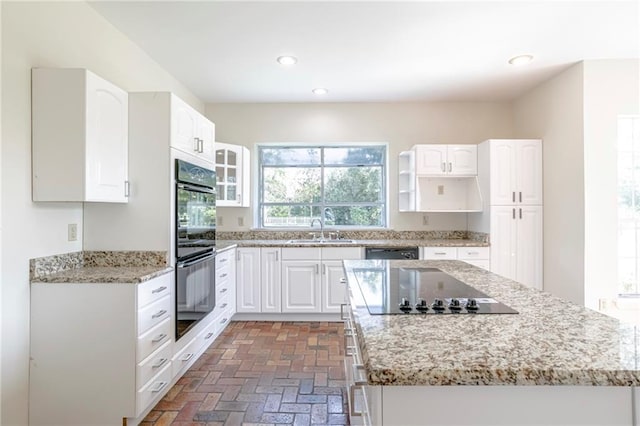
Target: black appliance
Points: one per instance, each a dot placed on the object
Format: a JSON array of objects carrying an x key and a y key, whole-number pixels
[
  {"x": 422, "y": 291},
  {"x": 195, "y": 212},
  {"x": 391, "y": 253}
]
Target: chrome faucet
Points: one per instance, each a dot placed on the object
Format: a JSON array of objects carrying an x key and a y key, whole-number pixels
[{"x": 321, "y": 226}]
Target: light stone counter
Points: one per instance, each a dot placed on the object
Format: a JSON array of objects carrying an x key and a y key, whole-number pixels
[
  {"x": 453, "y": 242},
  {"x": 549, "y": 342}
]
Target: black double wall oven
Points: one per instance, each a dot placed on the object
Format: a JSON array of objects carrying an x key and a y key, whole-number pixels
[{"x": 195, "y": 203}]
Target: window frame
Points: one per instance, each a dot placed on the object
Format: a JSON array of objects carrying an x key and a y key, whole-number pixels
[{"x": 259, "y": 180}]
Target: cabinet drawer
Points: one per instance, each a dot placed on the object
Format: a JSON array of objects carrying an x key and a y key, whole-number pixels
[
  {"x": 222, "y": 320},
  {"x": 151, "y": 365},
  {"x": 153, "y": 290},
  {"x": 185, "y": 356},
  {"x": 153, "y": 389},
  {"x": 154, "y": 338},
  {"x": 473, "y": 253},
  {"x": 301, "y": 253},
  {"x": 224, "y": 259},
  {"x": 153, "y": 313},
  {"x": 341, "y": 253},
  {"x": 208, "y": 335},
  {"x": 448, "y": 253}
]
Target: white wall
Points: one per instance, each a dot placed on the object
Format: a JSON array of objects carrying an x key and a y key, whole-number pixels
[
  {"x": 402, "y": 125},
  {"x": 553, "y": 112},
  {"x": 611, "y": 88},
  {"x": 54, "y": 34}
]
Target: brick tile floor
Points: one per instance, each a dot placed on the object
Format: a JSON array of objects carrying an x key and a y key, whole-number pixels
[{"x": 262, "y": 373}]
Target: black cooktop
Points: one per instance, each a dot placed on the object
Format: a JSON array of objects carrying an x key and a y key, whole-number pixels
[{"x": 422, "y": 291}]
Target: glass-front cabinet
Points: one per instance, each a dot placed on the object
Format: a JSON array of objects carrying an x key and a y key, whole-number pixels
[{"x": 232, "y": 174}]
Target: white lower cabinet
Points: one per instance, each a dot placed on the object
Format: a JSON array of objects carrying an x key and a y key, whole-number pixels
[
  {"x": 100, "y": 352},
  {"x": 292, "y": 279},
  {"x": 477, "y": 256}
]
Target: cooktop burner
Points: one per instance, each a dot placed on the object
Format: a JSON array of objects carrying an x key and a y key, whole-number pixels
[{"x": 422, "y": 291}]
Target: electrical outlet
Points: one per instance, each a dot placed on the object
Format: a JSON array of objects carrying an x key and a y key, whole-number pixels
[
  {"x": 440, "y": 189},
  {"x": 425, "y": 220},
  {"x": 240, "y": 221},
  {"x": 72, "y": 232}
]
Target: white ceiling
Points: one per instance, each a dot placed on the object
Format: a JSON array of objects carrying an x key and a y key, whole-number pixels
[{"x": 373, "y": 51}]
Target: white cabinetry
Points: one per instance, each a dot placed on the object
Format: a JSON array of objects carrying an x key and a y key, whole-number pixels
[
  {"x": 301, "y": 280},
  {"x": 270, "y": 274},
  {"x": 190, "y": 131},
  {"x": 439, "y": 178},
  {"x": 510, "y": 175},
  {"x": 478, "y": 256},
  {"x": 248, "y": 279},
  {"x": 446, "y": 160},
  {"x": 232, "y": 175},
  {"x": 79, "y": 137},
  {"x": 115, "y": 350}
]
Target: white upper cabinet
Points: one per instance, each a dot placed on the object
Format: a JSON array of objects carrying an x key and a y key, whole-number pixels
[
  {"x": 191, "y": 132},
  {"x": 79, "y": 137},
  {"x": 232, "y": 175},
  {"x": 446, "y": 160},
  {"x": 515, "y": 172}
]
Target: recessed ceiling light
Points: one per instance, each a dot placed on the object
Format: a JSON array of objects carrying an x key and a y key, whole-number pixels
[
  {"x": 521, "y": 60},
  {"x": 320, "y": 91},
  {"x": 287, "y": 60}
]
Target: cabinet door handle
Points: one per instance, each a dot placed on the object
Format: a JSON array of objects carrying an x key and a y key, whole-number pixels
[
  {"x": 239, "y": 197},
  {"x": 324, "y": 269},
  {"x": 317, "y": 269},
  {"x": 127, "y": 188},
  {"x": 159, "y": 387},
  {"x": 514, "y": 213},
  {"x": 343, "y": 280},
  {"x": 342, "y": 312},
  {"x": 159, "y": 338},
  {"x": 196, "y": 144},
  {"x": 162, "y": 362},
  {"x": 158, "y": 290},
  {"x": 276, "y": 256},
  {"x": 513, "y": 197},
  {"x": 201, "y": 146},
  {"x": 520, "y": 196},
  {"x": 520, "y": 213},
  {"x": 238, "y": 255},
  {"x": 158, "y": 314},
  {"x": 443, "y": 167},
  {"x": 450, "y": 167}
]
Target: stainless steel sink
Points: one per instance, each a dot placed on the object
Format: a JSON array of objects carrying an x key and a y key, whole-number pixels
[{"x": 321, "y": 241}]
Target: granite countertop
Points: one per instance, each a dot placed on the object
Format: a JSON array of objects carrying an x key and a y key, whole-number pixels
[
  {"x": 125, "y": 267},
  {"x": 453, "y": 242},
  {"x": 549, "y": 342}
]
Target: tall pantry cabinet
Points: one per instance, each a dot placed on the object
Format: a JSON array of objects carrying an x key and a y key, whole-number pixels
[{"x": 510, "y": 178}]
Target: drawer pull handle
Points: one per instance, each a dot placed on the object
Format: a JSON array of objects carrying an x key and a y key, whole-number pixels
[
  {"x": 159, "y": 387},
  {"x": 160, "y": 363},
  {"x": 224, "y": 259},
  {"x": 440, "y": 253},
  {"x": 223, "y": 275},
  {"x": 208, "y": 336},
  {"x": 224, "y": 290},
  {"x": 224, "y": 305},
  {"x": 342, "y": 312},
  {"x": 343, "y": 280},
  {"x": 223, "y": 320},
  {"x": 473, "y": 252},
  {"x": 159, "y": 338},
  {"x": 159, "y": 290},
  {"x": 158, "y": 314},
  {"x": 186, "y": 357}
]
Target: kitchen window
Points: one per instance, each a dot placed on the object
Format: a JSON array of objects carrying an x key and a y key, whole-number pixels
[
  {"x": 628, "y": 205},
  {"x": 302, "y": 186}
]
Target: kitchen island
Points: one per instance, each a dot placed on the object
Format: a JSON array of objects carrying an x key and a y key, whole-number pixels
[{"x": 552, "y": 363}]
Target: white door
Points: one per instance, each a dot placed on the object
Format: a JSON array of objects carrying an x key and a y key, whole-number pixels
[
  {"x": 462, "y": 160},
  {"x": 529, "y": 251},
  {"x": 503, "y": 241},
  {"x": 502, "y": 157},
  {"x": 529, "y": 172},
  {"x": 271, "y": 275},
  {"x": 206, "y": 134},
  {"x": 107, "y": 141},
  {"x": 248, "y": 280},
  {"x": 334, "y": 289},
  {"x": 185, "y": 126},
  {"x": 300, "y": 286},
  {"x": 431, "y": 159}
]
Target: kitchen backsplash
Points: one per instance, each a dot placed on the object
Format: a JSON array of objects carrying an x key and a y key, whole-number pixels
[
  {"x": 61, "y": 262},
  {"x": 356, "y": 235}
]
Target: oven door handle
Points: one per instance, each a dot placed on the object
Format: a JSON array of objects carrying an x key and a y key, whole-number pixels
[
  {"x": 203, "y": 189},
  {"x": 181, "y": 265}
]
